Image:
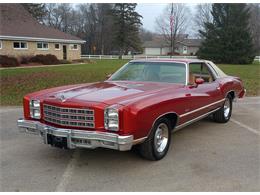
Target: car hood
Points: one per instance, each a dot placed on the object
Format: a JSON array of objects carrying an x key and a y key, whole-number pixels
[{"x": 109, "y": 92}]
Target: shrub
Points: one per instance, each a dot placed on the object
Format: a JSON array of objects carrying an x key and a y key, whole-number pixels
[
  {"x": 48, "y": 59},
  {"x": 25, "y": 59},
  {"x": 7, "y": 61}
]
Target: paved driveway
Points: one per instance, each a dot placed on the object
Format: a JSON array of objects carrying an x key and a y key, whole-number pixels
[{"x": 204, "y": 156}]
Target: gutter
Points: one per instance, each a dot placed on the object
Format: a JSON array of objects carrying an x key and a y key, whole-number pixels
[{"x": 17, "y": 38}]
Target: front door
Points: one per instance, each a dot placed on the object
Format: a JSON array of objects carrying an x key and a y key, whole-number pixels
[
  {"x": 64, "y": 52},
  {"x": 203, "y": 97}
]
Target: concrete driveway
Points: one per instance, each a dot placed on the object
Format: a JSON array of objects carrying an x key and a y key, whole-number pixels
[{"x": 204, "y": 156}]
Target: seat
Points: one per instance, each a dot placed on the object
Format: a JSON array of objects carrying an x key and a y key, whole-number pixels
[{"x": 191, "y": 78}]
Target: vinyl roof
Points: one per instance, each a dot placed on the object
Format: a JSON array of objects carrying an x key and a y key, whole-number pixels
[{"x": 182, "y": 60}]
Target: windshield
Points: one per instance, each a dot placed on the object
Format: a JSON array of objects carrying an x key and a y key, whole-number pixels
[{"x": 168, "y": 72}]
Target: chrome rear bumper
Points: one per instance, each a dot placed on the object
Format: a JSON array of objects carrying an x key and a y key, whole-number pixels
[{"x": 77, "y": 138}]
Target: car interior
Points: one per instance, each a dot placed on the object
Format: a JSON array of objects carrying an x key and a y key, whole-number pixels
[{"x": 199, "y": 70}]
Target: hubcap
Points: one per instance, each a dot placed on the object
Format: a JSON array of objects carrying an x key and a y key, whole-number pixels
[
  {"x": 226, "y": 108},
  {"x": 161, "y": 137}
]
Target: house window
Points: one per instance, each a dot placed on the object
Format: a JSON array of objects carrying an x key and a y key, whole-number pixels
[
  {"x": 42, "y": 45},
  {"x": 57, "y": 46},
  {"x": 1, "y": 44},
  {"x": 20, "y": 45},
  {"x": 74, "y": 47}
]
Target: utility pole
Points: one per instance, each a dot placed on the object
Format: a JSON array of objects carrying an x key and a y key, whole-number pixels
[{"x": 171, "y": 25}]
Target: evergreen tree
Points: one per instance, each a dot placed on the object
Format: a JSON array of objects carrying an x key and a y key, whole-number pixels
[
  {"x": 37, "y": 10},
  {"x": 227, "y": 37},
  {"x": 127, "y": 23}
]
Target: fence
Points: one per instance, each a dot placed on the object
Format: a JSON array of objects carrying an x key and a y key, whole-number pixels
[{"x": 130, "y": 57}]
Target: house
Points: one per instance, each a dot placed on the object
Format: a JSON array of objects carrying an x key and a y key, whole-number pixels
[
  {"x": 22, "y": 35},
  {"x": 183, "y": 46}
]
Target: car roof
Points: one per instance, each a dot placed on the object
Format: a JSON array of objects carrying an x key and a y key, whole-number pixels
[{"x": 182, "y": 60}]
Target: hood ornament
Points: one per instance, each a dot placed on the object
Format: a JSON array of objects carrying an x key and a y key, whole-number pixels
[{"x": 62, "y": 98}]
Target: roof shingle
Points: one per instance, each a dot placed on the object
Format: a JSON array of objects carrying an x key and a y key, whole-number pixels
[{"x": 16, "y": 21}]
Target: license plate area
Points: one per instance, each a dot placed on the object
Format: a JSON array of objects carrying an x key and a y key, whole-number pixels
[
  {"x": 56, "y": 141},
  {"x": 81, "y": 141}
]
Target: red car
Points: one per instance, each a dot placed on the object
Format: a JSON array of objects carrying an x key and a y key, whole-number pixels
[{"x": 140, "y": 104}]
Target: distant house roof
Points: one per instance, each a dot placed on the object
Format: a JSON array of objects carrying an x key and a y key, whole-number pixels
[
  {"x": 160, "y": 43},
  {"x": 18, "y": 24},
  {"x": 191, "y": 42},
  {"x": 155, "y": 44}
]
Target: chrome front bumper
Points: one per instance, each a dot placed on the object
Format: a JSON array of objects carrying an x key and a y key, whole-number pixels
[{"x": 77, "y": 138}]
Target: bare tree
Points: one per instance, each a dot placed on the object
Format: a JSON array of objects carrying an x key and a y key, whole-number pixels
[
  {"x": 172, "y": 23},
  {"x": 203, "y": 15},
  {"x": 254, "y": 25},
  {"x": 145, "y": 35},
  {"x": 53, "y": 16},
  {"x": 90, "y": 21}
]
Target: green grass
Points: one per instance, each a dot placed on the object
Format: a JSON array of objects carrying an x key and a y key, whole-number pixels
[
  {"x": 249, "y": 73},
  {"x": 15, "y": 83}
]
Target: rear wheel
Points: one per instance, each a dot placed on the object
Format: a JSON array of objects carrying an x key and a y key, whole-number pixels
[
  {"x": 157, "y": 144},
  {"x": 224, "y": 113}
]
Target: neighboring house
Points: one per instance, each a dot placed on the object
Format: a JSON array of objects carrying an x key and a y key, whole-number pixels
[
  {"x": 184, "y": 46},
  {"x": 22, "y": 35}
]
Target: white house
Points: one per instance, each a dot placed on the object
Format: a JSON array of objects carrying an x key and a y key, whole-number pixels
[{"x": 158, "y": 46}]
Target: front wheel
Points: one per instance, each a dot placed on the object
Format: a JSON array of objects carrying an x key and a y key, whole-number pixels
[
  {"x": 157, "y": 144},
  {"x": 224, "y": 113}
]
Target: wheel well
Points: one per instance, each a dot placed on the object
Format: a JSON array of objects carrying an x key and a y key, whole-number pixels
[
  {"x": 232, "y": 94},
  {"x": 172, "y": 117}
]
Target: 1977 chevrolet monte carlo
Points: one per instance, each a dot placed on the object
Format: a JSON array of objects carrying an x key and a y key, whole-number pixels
[{"x": 140, "y": 105}]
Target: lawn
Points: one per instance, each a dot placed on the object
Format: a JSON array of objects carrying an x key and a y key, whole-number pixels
[{"x": 15, "y": 83}]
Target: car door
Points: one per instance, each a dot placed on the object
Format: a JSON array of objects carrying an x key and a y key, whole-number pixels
[{"x": 204, "y": 97}]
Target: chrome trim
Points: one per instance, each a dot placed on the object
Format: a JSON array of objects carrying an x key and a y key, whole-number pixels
[
  {"x": 201, "y": 108},
  {"x": 194, "y": 120},
  {"x": 187, "y": 74},
  {"x": 153, "y": 60},
  {"x": 160, "y": 117},
  {"x": 78, "y": 138},
  {"x": 226, "y": 108},
  {"x": 244, "y": 93},
  {"x": 139, "y": 140},
  {"x": 161, "y": 137},
  {"x": 67, "y": 116}
]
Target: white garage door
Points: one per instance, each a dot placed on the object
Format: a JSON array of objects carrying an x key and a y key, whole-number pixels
[{"x": 152, "y": 51}]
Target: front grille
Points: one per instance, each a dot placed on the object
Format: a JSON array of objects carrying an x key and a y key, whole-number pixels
[{"x": 74, "y": 117}]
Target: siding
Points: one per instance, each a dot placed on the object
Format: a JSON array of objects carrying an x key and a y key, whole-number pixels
[{"x": 7, "y": 49}]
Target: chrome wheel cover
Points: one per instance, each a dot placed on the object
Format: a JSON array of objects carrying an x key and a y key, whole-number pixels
[
  {"x": 161, "y": 137},
  {"x": 226, "y": 108}
]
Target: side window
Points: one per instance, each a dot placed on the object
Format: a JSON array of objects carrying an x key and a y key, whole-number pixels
[{"x": 199, "y": 70}]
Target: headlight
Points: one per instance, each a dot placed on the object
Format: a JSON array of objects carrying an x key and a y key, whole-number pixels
[
  {"x": 111, "y": 117},
  {"x": 35, "y": 109}
]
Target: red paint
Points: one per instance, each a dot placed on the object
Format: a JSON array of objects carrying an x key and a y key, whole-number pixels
[{"x": 141, "y": 103}]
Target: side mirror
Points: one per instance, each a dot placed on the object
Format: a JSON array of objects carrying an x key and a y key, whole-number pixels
[
  {"x": 108, "y": 76},
  {"x": 199, "y": 81}
]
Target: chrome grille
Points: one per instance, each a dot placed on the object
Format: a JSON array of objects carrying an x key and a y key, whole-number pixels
[{"x": 69, "y": 116}]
